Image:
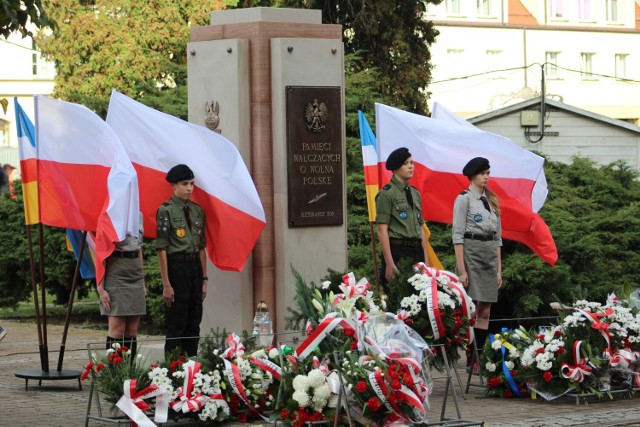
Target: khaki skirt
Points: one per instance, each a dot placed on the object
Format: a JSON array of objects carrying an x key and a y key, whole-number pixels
[
  {"x": 124, "y": 281},
  {"x": 481, "y": 263}
]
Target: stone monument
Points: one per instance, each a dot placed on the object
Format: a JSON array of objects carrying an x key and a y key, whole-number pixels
[{"x": 272, "y": 81}]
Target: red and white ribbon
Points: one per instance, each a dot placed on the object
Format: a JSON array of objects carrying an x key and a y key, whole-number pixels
[
  {"x": 187, "y": 401},
  {"x": 132, "y": 403},
  {"x": 433, "y": 310},
  {"x": 235, "y": 380},
  {"x": 328, "y": 324},
  {"x": 352, "y": 289},
  {"x": 234, "y": 347},
  {"x": 267, "y": 366},
  {"x": 597, "y": 324},
  {"x": 578, "y": 371}
]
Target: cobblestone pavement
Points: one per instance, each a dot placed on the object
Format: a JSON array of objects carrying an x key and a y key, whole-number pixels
[{"x": 62, "y": 403}]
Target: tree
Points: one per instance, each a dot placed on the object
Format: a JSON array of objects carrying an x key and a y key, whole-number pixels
[
  {"x": 135, "y": 47},
  {"x": 16, "y": 15}
]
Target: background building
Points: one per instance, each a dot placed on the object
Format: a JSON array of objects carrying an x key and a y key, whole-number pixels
[
  {"x": 493, "y": 53},
  {"x": 24, "y": 74}
]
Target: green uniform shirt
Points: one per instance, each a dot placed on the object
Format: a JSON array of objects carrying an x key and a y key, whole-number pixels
[
  {"x": 173, "y": 234},
  {"x": 392, "y": 208}
]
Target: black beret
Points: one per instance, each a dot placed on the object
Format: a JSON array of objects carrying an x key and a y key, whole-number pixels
[
  {"x": 475, "y": 165},
  {"x": 179, "y": 173},
  {"x": 397, "y": 158}
]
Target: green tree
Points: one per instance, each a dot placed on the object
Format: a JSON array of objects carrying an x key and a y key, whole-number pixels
[
  {"x": 135, "y": 47},
  {"x": 15, "y": 16},
  {"x": 15, "y": 273}
]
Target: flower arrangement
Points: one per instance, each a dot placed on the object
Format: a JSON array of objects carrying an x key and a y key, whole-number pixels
[
  {"x": 501, "y": 363},
  {"x": 438, "y": 308}
]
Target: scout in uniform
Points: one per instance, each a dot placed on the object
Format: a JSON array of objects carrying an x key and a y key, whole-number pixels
[
  {"x": 399, "y": 216},
  {"x": 477, "y": 239},
  {"x": 180, "y": 244}
]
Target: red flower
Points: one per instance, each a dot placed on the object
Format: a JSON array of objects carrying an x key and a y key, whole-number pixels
[
  {"x": 154, "y": 366},
  {"x": 557, "y": 333},
  {"x": 396, "y": 385},
  {"x": 242, "y": 418},
  {"x": 408, "y": 380},
  {"x": 548, "y": 376},
  {"x": 122, "y": 349},
  {"x": 353, "y": 345},
  {"x": 408, "y": 322},
  {"x": 349, "y": 332},
  {"x": 540, "y": 337},
  {"x": 540, "y": 350},
  {"x": 374, "y": 404},
  {"x": 560, "y": 350},
  {"x": 361, "y": 387},
  {"x": 494, "y": 382},
  {"x": 284, "y": 414},
  {"x": 507, "y": 394},
  {"x": 118, "y": 360},
  {"x": 100, "y": 367},
  {"x": 89, "y": 366}
]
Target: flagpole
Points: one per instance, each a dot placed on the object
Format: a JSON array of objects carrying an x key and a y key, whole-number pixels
[
  {"x": 43, "y": 293},
  {"x": 376, "y": 274},
  {"x": 44, "y": 357},
  {"x": 67, "y": 320}
]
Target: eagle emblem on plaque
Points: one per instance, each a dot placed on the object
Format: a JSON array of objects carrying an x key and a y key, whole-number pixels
[
  {"x": 212, "y": 117},
  {"x": 316, "y": 114}
]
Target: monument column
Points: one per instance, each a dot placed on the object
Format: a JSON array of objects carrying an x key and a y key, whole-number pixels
[{"x": 276, "y": 78}]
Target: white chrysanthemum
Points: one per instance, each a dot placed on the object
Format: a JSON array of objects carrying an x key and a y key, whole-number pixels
[
  {"x": 110, "y": 351},
  {"x": 178, "y": 374},
  {"x": 491, "y": 367},
  {"x": 509, "y": 364},
  {"x": 496, "y": 345},
  {"x": 545, "y": 366},
  {"x": 302, "y": 398},
  {"x": 323, "y": 392},
  {"x": 301, "y": 382},
  {"x": 316, "y": 378},
  {"x": 514, "y": 353}
]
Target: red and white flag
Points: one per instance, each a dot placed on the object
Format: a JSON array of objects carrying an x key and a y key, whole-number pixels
[
  {"x": 85, "y": 178},
  {"x": 156, "y": 142},
  {"x": 440, "y": 150}
]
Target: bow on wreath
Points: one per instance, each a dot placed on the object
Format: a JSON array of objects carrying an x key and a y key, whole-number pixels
[
  {"x": 186, "y": 402},
  {"x": 578, "y": 371},
  {"x": 132, "y": 403}
]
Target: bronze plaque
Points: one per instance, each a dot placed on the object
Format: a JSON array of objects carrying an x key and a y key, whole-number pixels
[{"x": 314, "y": 153}]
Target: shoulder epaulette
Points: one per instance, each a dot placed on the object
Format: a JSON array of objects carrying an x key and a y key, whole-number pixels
[
  {"x": 464, "y": 192},
  {"x": 386, "y": 187},
  {"x": 167, "y": 203}
]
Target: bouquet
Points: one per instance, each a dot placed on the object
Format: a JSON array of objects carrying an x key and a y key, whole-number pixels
[
  {"x": 439, "y": 309},
  {"x": 501, "y": 363}
]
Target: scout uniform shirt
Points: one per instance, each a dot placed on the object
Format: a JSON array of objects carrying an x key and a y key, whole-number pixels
[
  {"x": 179, "y": 232},
  {"x": 471, "y": 216},
  {"x": 392, "y": 208}
]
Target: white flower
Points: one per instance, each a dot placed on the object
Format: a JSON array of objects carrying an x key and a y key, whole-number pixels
[
  {"x": 274, "y": 354},
  {"x": 317, "y": 306},
  {"x": 509, "y": 364},
  {"x": 496, "y": 345},
  {"x": 490, "y": 367},
  {"x": 300, "y": 382},
  {"x": 326, "y": 284},
  {"x": 316, "y": 378},
  {"x": 302, "y": 398}
]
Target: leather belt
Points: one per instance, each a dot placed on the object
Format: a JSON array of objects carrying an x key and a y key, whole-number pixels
[
  {"x": 182, "y": 256},
  {"x": 479, "y": 236},
  {"x": 126, "y": 254},
  {"x": 406, "y": 242}
]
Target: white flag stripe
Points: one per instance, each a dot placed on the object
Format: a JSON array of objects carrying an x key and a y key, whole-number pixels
[
  {"x": 540, "y": 191},
  {"x": 145, "y": 132},
  {"x": 369, "y": 155},
  {"x": 25, "y": 149},
  {"x": 447, "y": 147}
]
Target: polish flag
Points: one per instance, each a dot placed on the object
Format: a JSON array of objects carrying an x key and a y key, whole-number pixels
[
  {"x": 441, "y": 149},
  {"x": 156, "y": 142},
  {"x": 85, "y": 178},
  {"x": 28, "y": 164}
]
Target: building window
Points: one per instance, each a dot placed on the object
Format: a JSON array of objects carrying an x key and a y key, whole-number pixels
[
  {"x": 484, "y": 8},
  {"x": 586, "y": 65},
  {"x": 613, "y": 10},
  {"x": 551, "y": 64},
  {"x": 555, "y": 9},
  {"x": 621, "y": 65},
  {"x": 585, "y": 10},
  {"x": 39, "y": 67},
  {"x": 453, "y": 7}
]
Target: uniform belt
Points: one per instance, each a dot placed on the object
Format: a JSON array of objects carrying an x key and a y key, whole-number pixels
[
  {"x": 126, "y": 254},
  {"x": 479, "y": 236},
  {"x": 183, "y": 256},
  {"x": 406, "y": 242}
]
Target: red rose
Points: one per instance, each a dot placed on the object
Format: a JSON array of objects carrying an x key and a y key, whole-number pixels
[
  {"x": 100, "y": 367},
  {"x": 548, "y": 376},
  {"x": 84, "y": 375},
  {"x": 507, "y": 394},
  {"x": 374, "y": 404},
  {"x": 242, "y": 418},
  {"x": 154, "y": 366},
  {"x": 408, "y": 380},
  {"x": 118, "y": 360},
  {"x": 396, "y": 385},
  {"x": 353, "y": 345},
  {"x": 284, "y": 414},
  {"x": 494, "y": 382},
  {"x": 540, "y": 337},
  {"x": 557, "y": 333},
  {"x": 349, "y": 332},
  {"x": 122, "y": 349},
  {"x": 540, "y": 350},
  {"x": 89, "y": 366},
  {"x": 560, "y": 350},
  {"x": 361, "y": 387}
]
